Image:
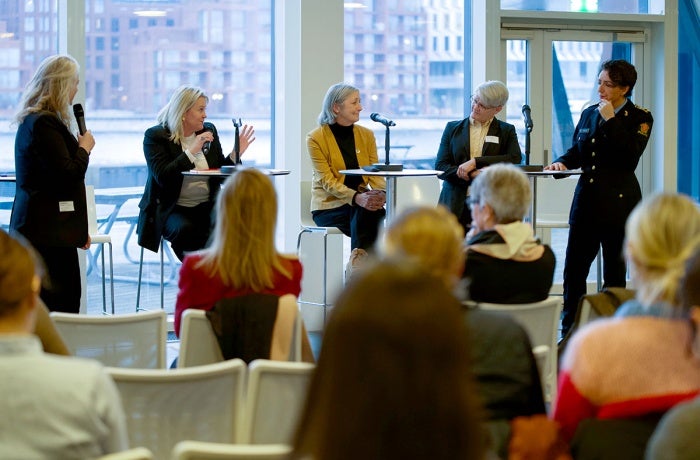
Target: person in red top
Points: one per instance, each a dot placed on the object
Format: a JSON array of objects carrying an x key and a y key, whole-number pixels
[{"x": 241, "y": 258}]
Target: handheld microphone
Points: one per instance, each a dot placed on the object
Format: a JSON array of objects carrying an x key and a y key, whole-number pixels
[
  {"x": 207, "y": 145},
  {"x": 380, "y": 119},
  {"x": 528, "y": 116},
  {"x": 80, "y": 118}
]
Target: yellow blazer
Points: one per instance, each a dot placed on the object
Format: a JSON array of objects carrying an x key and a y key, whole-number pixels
[{"x": 327, "y": 188}]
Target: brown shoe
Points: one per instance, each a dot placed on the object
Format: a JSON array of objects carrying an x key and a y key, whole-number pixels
[{"x": 357, "y": 260}]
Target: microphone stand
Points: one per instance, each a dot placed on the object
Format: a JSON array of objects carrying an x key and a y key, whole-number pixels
[
  {"x": 528, "y": 130},
  {"x": 237, "y": 141},
  {"x": 386, "y": 166}
]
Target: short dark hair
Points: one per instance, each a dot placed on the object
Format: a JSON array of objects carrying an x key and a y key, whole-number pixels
[{"x": 621, "y": 72}]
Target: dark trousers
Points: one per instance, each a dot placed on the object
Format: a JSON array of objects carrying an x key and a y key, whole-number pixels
[
  {"x": 361, "y": 225},
  {"x": 189, "y": 229},
  {"x": 61, "y": 288},
  {"x": 581, "y": 251}
]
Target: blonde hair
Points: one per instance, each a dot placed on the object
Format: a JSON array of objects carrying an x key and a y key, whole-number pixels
[
  {"x": 19, "y": 272},
  {"x": 182, "y": 100},
  {"x": 432, "y": 237},
  {"x": 662, "y": 233},
  {"x": 242, "y": 252},
  {"x": 49, "y": 90}
]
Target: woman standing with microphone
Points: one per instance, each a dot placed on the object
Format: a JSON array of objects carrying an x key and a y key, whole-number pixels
[{"x": 51, "y": 159}]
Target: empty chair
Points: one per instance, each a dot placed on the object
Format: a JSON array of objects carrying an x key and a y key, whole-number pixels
[
  {"x": 102, "y": 239},
  {"x": 163, "y": 407},
  {"x": 275, "y": 398},
  {"x": 135, "y": 340},
  {"x": 320, "y": 250},
  {"x": 197, "y": 450},
  {"x": 541, "y": 321}
]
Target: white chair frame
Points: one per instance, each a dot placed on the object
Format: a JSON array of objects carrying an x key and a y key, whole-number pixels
[
  {"x": 102, "y": 239},
  {"x": 72, "y": 326}
]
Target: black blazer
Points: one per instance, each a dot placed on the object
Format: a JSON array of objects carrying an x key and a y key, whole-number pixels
[
  {"x": 166, "y": 162},
  {"x": 608, "y": 154},
  {"x": 454, "y": 150},
  {"x": 49, "y": 207}
]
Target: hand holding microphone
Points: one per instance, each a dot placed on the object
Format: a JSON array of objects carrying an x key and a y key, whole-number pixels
[
  {"x": 85, "y": 138},
  {"x": 203, "y": 141}
]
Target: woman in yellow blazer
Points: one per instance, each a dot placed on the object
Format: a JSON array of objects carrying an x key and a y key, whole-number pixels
[{"x": 354, "y": 204}]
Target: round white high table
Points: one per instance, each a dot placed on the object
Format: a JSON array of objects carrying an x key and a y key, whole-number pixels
[
  {"x": 391, "y": 177},
  {"x": 533, "y": 176}
]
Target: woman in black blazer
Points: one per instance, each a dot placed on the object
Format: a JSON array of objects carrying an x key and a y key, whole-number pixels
[
  {"x": 473, "y": 143},
  {"x": 51, "y": 158},
  {"x": 173, "y": 206}
]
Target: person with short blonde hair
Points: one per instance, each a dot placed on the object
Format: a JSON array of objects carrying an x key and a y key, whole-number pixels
[
  {"x": 471, "y": 144},
  {"x": 432, "y": 237}
]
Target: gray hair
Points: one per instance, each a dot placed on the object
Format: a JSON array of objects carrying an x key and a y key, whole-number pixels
[
  {"x": 336, "y": 94},
  {"x": 506, "y": 189},
  {"x": 492, "y": 93},
  {"x": 170, "y": 116}
]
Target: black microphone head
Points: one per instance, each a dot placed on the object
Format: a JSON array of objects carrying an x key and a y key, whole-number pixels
[
  {"x": 78, "y": 111},
  {"x": 526, "y": 108},
  {"x": 374, "y": 117}
]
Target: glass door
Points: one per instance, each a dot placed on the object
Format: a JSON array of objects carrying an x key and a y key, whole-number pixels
[{"x": 554, "y": 73}]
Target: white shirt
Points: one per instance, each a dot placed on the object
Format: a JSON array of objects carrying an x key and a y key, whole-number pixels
[
  {"x": 195, "y": 190},
  {"x": 477, "y": 135},
  {"x": 56, "y": 407}
]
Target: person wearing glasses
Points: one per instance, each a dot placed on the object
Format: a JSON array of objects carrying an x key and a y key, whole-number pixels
[
  {"x": 472, "y": 143},
  {"x": 500, "y": 246},
  {"x": 608, "y": 141}
]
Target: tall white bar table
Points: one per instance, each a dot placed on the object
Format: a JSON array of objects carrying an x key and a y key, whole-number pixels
[
  {"x": 533, "y": 176},
  {"x": 391, "y": 177}
]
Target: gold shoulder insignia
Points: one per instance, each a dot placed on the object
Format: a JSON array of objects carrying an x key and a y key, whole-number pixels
[
  {"x": 644, "y": 129},
  {"x": 641, "y": 108}
]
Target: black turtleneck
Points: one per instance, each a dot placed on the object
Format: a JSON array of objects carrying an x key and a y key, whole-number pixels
[{"x": 345, "y": 138}]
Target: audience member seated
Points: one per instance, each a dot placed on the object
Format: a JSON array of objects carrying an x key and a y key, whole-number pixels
[
  {"x": 505, "y": 262},
  {"x": 508, "y": 381},
  {"x": 393, "y": 379},
  {"x": 53, "y": 406},
  {"x": 242, "y": 258},
  {"x": 51, "y": 340},
  {"x": 676, "y": 436},
  {"x": 634, "y": 366},
  {"x": 658, "y": 244}
]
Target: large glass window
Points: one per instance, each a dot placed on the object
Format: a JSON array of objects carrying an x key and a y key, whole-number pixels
[
  {"x": 587, "y": 6},
  {"x": 416, "y": 75}
]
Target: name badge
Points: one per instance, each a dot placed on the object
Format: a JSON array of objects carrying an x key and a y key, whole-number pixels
[
  {"x": 584, "y": 130},
  {"x": 66, "y": 206},
  {"x": 491, "y": 139}
]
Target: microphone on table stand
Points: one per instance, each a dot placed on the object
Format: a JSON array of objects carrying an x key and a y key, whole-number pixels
[
  {"x": 236, "y": 148},
  {"x": 386, "y": 166}
]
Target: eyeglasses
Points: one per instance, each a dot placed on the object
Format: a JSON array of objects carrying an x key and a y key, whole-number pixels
[
  {"x": 475, "y": 101},
  {"x": 471, "y": 201}
]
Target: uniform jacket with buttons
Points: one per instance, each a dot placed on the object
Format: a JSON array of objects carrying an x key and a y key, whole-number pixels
[{"x": 608, "y": 153}]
